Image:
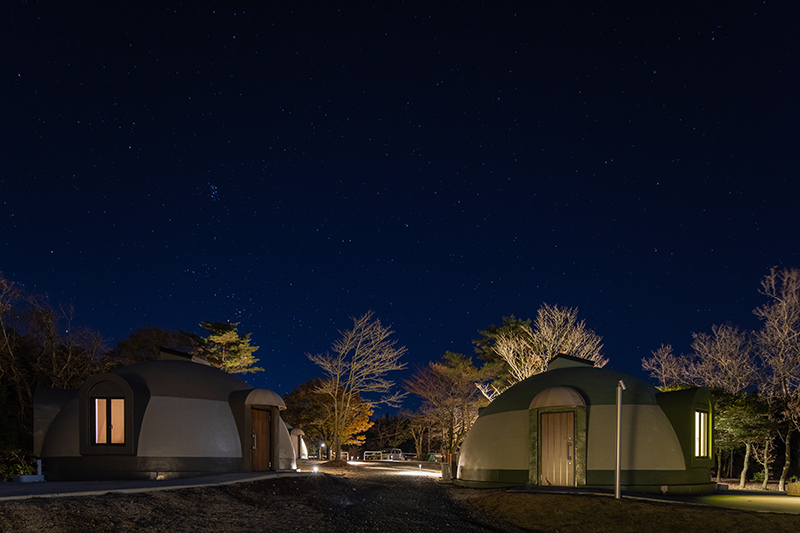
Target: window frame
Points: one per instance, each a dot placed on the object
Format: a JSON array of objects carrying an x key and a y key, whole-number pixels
[
  {"x": 110, "y": 416},
  {"x": 106, "y": 387},
  {"x": 702, "y": 434}
]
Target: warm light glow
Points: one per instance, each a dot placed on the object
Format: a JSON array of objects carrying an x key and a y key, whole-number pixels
[
  {"x": 700, "y": 434},
  {"x": 419, "y": 473},
  {"x": 105, "y": 425},
  {"x": 117, "y": 421},
  {"x": 100, "y": 423}
]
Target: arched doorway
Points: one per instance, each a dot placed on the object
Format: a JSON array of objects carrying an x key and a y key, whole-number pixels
[{"x": 557, "y": 429}]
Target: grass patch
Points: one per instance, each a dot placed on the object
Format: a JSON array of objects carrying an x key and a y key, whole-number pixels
[{"x": 568, "y": 513}]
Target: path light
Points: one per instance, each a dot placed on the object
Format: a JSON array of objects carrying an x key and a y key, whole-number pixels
[{"x": 620, "y": 388}]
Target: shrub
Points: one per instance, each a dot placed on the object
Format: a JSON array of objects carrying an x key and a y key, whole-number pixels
[{"x": 15, "y": 463}]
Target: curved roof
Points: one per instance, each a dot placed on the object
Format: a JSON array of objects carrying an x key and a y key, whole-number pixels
[
  {"x": 557, "y": 396},
  {"x": 597, "y": 386},
  {"x": 182, "y": 379},
  {"x": 264, "y": 397}
]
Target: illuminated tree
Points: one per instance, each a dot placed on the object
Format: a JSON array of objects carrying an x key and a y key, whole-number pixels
[
  {"x": 722, "y": 361},
  {"x": 449, "y": 395},
  {"x": 525, "y": 349},
  {"x": 312, "y": 411},
  {"x": 779, "y": 350},
  {"x": 742, "y": 420},
  {"x": 357, "y": 365},
  {"x": 224, "y": 348},
  {"x": 666, "y": 368}
]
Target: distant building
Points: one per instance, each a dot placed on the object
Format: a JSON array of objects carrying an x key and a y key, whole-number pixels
[
  {"x": 558, "y": 428},
  {"x": 157, "y": 420}
]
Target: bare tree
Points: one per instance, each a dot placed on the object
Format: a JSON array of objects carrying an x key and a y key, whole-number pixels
[
  {"x": 526, "y": 349},
  {"x": 779, "y": 350},
  {"x": 449, "y": 394},
  {"x": 723, "y": 360},
  {"x": 40, "y": 347},
  {"x": 357, "y": 364},
  {"x": 420, "y": 428},
  {"x": 521, "y": 353},
  {"x": 557, "y": 330},
  {"x": 665, "y": 367}
]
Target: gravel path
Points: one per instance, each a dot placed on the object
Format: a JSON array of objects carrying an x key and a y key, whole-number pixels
[{"x": 356, "y": 501}]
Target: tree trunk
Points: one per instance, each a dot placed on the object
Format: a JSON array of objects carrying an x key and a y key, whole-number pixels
[
  {"x": 743, "y": 477},
  {"x": 719, "y": 465},
  {"x": 337, "y": 439},
  {"x": 766, "y": 464},
  {"x": 730, "y": 465},
  {"x": 787, "y": 459}
]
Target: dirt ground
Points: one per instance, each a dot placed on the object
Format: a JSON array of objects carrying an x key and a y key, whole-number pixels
[{"x": 355, "y": 499}]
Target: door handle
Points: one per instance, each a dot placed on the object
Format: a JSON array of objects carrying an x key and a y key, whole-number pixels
[
  {"x": 255, "y": 441},
  {"x": 569, "y": 458}
]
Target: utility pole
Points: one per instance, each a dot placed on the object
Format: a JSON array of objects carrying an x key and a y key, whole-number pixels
[{"x": 617, "y": 469}]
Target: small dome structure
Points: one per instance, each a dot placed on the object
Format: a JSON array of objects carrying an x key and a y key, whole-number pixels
[
  {"x": 160, "y": 419},
  {"x": 559, "y": 428}
]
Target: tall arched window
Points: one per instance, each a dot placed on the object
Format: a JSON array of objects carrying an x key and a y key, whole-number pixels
[
  {"x": 106, "y": 403},
  {"x": 702, "y": 430}
]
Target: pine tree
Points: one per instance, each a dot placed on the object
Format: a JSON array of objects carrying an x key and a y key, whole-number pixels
[{"x": 224, "y": 348}]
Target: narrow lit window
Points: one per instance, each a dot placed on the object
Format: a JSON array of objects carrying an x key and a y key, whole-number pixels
[
  {"x": 109, "y": 421},
  {"x": 700, "y": 434}
]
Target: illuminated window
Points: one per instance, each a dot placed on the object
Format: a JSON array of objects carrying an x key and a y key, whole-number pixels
[
  {"x": 109, "y": 421},
  {"x": 701, "y": 434}
]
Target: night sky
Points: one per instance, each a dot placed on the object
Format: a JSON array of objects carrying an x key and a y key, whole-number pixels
[{"x": 288, "y": 165}]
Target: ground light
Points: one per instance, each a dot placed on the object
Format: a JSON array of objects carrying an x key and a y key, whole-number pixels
[
  {"x": 396, "y": 472},
  {"x": 418, "y": 473}
]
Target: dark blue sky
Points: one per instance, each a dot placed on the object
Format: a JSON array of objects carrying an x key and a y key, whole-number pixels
[{"x": 289, "y": 165}]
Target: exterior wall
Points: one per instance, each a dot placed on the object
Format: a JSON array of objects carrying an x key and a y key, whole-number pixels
[
  {"x": 184, "y": 427},
  {"x": 65, "y": 425},
  {"x": 496, "y": 449},
  {"x": 286, "y": 457},
  {"x": 648, "y": 440}
]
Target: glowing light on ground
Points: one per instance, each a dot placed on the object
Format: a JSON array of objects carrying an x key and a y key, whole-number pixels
[{"x": 419, "y": 473}]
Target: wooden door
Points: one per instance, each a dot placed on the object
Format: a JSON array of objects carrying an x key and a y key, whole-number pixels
[
  {"x": 260, "y": 424},
  {"x": 558, "y": 449}
]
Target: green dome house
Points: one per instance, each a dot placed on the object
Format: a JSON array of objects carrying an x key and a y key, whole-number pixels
[{"x": 558, "y": 428}]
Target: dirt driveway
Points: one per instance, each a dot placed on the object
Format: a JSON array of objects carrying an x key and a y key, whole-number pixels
[
  {"x": 352, "y": 501},
  {"x": 371, "y": 499}
]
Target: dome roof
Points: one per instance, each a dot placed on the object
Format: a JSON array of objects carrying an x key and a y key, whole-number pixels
[
  {"x": 182, "y": 379},
  {"x": 597, "y": 386}
]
